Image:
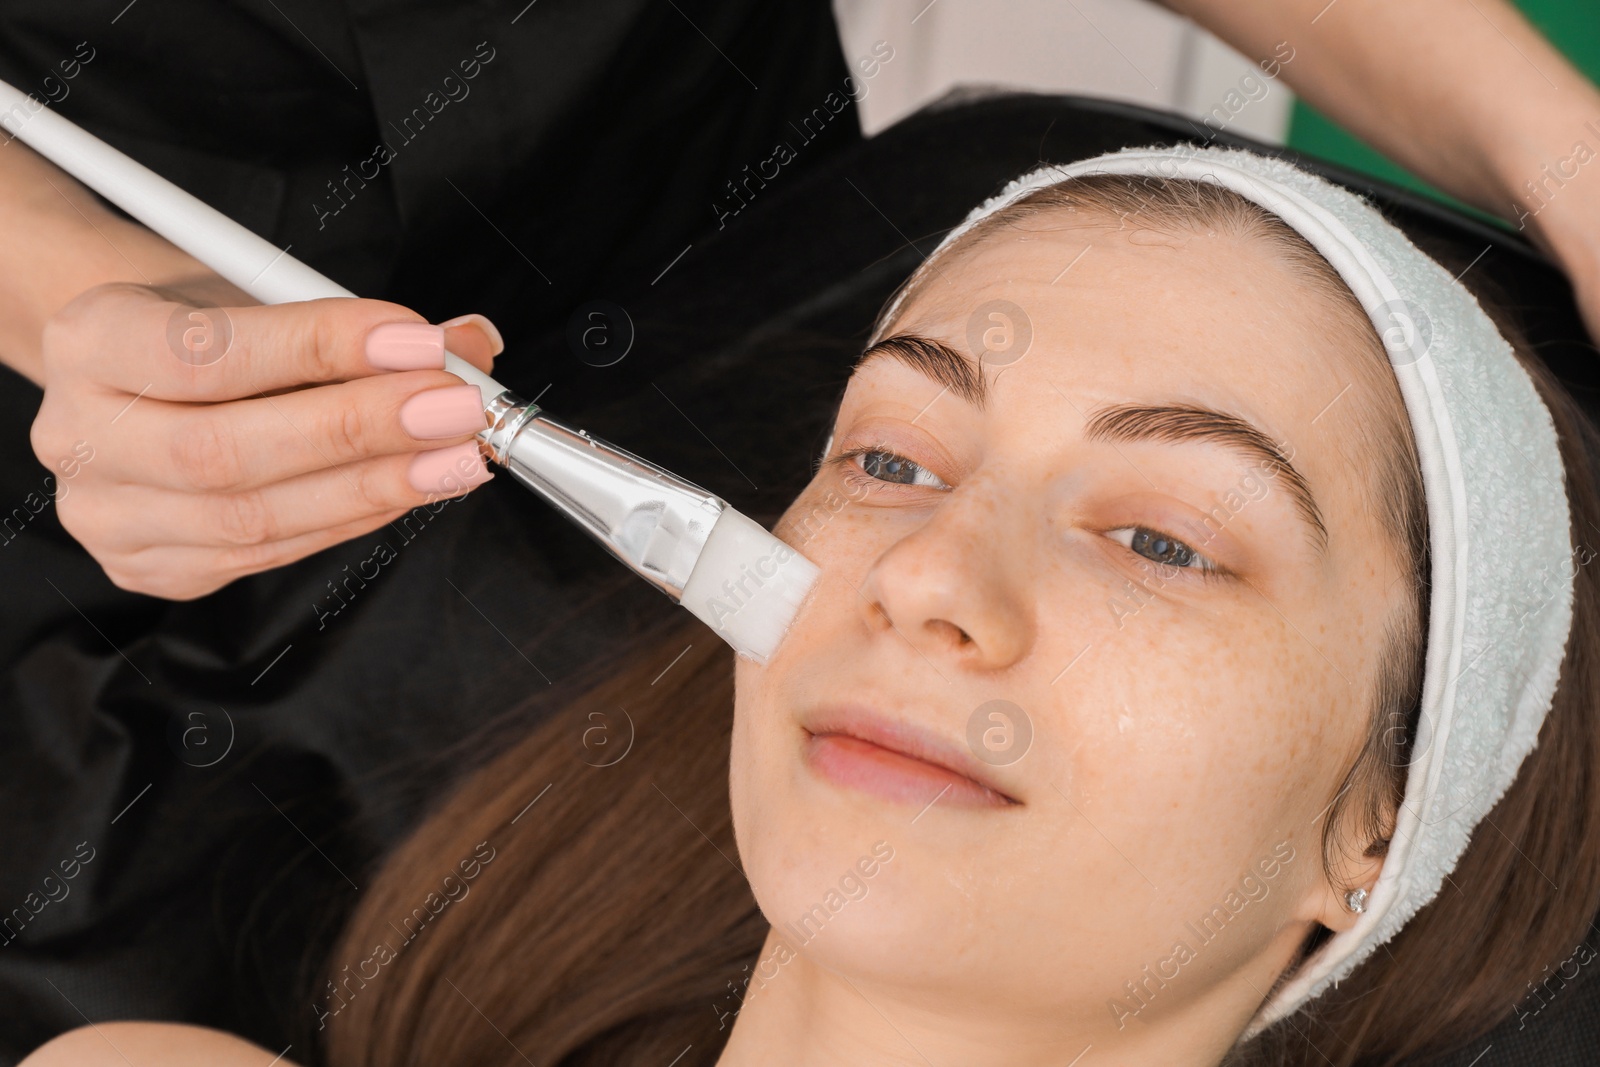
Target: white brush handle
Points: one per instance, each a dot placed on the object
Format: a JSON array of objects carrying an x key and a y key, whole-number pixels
[{"x": 258, "y": 267}]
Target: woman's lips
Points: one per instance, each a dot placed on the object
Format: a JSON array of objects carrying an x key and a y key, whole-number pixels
[{"x": 897, "y": 763}]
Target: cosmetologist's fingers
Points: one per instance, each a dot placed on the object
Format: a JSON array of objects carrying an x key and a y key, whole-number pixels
[
  {"x": 324, "y": 499},
  {"x": 250, "y": 443},
  {"x": 132, "y": 340}
]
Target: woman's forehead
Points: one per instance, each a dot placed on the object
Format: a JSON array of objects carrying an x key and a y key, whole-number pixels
[{"x": 1196, "y": 312}]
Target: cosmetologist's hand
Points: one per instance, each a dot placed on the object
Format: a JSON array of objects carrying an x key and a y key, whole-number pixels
[{"x": 193, "y": 445}]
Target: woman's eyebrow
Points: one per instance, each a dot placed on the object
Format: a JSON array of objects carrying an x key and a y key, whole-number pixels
[
  {"x": 935, "y": 359},
  {"x": 1192, "y": 422}
]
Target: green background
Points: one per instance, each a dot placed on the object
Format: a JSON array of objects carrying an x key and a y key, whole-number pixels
[{"x": 1573, "y": 26}]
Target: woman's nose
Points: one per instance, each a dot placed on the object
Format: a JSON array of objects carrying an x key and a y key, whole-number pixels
[{"x": 956, "y": 586}]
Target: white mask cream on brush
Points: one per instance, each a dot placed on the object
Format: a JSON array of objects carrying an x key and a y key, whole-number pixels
[
  {"x": 732, "y": 574},
  {"x": 748, "y": 585}
]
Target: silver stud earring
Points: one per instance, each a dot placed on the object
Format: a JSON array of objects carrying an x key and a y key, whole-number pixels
[{"x": 1356, "y": 900}]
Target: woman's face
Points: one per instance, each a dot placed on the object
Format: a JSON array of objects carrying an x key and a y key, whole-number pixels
[{"x": 1127, "y": 841}]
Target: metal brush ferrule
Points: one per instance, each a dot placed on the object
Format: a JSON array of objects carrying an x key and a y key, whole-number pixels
[{"x": 651, "y": 519}]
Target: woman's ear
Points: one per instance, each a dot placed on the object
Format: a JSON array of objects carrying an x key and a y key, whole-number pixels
[
  {"x": 1333, "y": 907},
  {"x": 1363, "y": 817},
  {"x": 1357, "y": 862}
]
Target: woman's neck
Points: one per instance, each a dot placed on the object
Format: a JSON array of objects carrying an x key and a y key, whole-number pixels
[{"x": 806, "y": 1015}]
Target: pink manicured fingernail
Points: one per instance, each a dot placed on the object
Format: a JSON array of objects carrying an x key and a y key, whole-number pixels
[
  {"x": 447, "y": 412},
  {"x": 405, "y": 346},
  {"x": 483, "y": 324},
  {"x": 448, "y": 470}
]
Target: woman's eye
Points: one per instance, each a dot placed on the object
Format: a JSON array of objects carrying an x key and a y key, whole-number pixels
[
  {"x": 1158, "y": 548},
  {"x": 886, "y": 466}
]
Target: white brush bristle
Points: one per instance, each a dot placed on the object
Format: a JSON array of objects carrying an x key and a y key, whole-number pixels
[{"x": 747, "y": 585}]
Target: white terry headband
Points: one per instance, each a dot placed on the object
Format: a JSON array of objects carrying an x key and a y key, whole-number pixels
[{"x": 1501, "y": 605}]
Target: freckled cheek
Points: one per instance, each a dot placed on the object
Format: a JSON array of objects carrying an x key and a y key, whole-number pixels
[
  {"x": 840, "y": 534},
  {"x": 779, "y": 835},
  {"x": 1197, "y": 730},
  {"x": 844, "y": 539}
]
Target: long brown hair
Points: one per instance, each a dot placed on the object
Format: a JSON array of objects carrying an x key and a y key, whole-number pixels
[{"x": 567, "y": 906}]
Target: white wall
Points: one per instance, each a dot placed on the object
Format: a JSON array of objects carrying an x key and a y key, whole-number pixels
[{"x": 1125, "y": 49}]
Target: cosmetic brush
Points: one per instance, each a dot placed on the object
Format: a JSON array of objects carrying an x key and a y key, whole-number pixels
[{"x": 733, "y": 575}]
